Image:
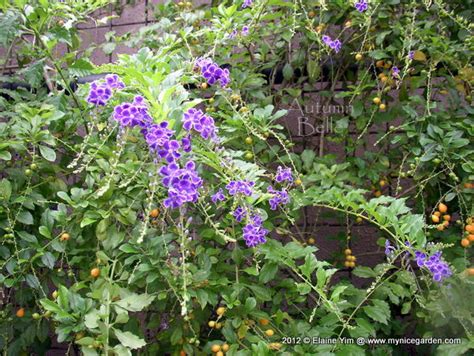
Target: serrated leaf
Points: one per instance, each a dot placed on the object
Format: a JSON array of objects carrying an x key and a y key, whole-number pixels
[{"x": 129, "y": 340}]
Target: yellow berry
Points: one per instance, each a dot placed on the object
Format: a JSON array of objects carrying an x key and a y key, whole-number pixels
[
  {"x": 220, "y": 311},
  {"x": 269, "y": 332}
]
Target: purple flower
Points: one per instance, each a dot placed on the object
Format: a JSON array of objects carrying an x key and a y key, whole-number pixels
[
  {"x": 186, "y": 143},
  {"x": 218, "y": 196},
  {"x": 411, "y": 55},
  {"x": 395, "y": 72},
  {"x": 361, "y": 5},
  {"x": 437, "y": 267},
  {"x": 200, "y": 122},
  {"x": 254, "y": 233},
  {"x": 113, "y": 81},
  {"x": 233, "y": 34},
  {"x": 336, "y": 45},
  {"x": 132, "y": 114},
  {"x": 239, "y": 214},
  {"x": 157, "y": 135},
  {"x": 284, "y": 174},
  {"x": 182, "y": 184},
  {"x": 247, "y": 3},
  {"x": 169, "y": 151},
  {"x": 245, "y": 31},
  {"x": 212, "y": 72},
  {"x": 389, "y": 249},
  {"x": 279, "y": 198},
  {"x": 243, "y": 186},
  {"x": 100, "y": 92}
]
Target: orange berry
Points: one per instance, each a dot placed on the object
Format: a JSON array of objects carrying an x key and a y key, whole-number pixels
[
  {"x": 311, "y": 14},
  {"x": 447, "y": 217},
  {"x": 470, "y": 271},
  {"x": 440, "y": 227},
  {"x": 95, "y": 272},
  {"x": 220, "y": 311},
  {"x": 154, "y": 213},
  {"x": 264, "y": 322},
  {"x": 470, "y": 237},
  {"x": 219, "y": 353},
  {"x": 65, "y": 236},
  {"x": 348, "y": 251},
  {"x": 269, "y": 332},
  {"x": 20, "y": 312},
  {"x": 211, "y": 324},
  {"x": 378, "y": 192},
  {"x": 225, "y": 347},
  {"x": 446, "y": 223},
  {"x": 437, "y": 213},
  {"x": 464, "y": 242},
  {"x": 470, "y": 229},
  {"x": 218, "y": 326},
  {"x": 352, "y": 264},
  {"x": 435, "y": 219},
  {"x": 204, "y": 85},
  {"x": 215, "y": 348},
  {"x": 379, "y": 64},
  {"x": 442, "y": 208},
  {"x": 376, "y": 101},
  {"x": 382, "y": 107},
  {"x": 358, "y": 57},
  {"x": 347, "y": 264},
  {"x": 182, "y": 353}
]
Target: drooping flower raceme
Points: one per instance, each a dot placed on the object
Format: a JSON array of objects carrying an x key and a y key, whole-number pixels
[
  {"x": 361, "y": 5},
  {"x": 240, "y": 186},
  {"x": 133, "y": 114},
  {"x": 212, "y": 72},
  {"x": 200, "y": 122},
  {"x": 182, "y": 184},
  {"x": 284, "y": 174},
  {"x": 279, "y": 198},
  {"x": 101, "y": 91},
  {"x": 437, "y": 267},
  {"x": 254, "y": 232}
]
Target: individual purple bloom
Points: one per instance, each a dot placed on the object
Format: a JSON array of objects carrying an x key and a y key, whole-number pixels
[
  {"x": 411, "y": 55},
  {"x": 186, "y": 143},
  {"x": 245, "y": 31},
  {"x": 395, "y": 72},
  {"x": 239, "y": 214},
  {"x": 157, "y": 135},
  {"x": 279, "y": 198},
  {"x": 169, "y": 151},
  {"x": 243, "y": 186},
  {"x": 284, "y": 174},
  {"x": 254, "y": 233},
  {"x": 361, "y": 5},
  {"x": 233, "y": 34},
  {"x": 247, "y": 3},
  {"x": 200, "y": 122},
  {"x": 113, "y": 81},
  {"x": 336, "y": 45},
  {"x": 182, "y": 184},
  {"x": 389, "y": 249},
  {"x": 420, "y": 258},
  {"x": 218, "y": 196},
  {"x": 212, "y": 72},
  {"x": 99, "y": 94},
  {"x": 327, "y": 40}
]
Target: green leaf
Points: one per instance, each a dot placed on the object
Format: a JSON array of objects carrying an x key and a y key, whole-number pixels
[
  {"x": 25, "y": 217},
  {"x": 5, "y": 189},
  {"x": 129, "y": 340},
  {"x": 288, "y": 71},
  {"x": 268, "y": 272},
  {"x": 48, "y": 153},
  {"x": 48, "y": 259},
  {"x": 135, "y": 302},
  {"x": 379, "y": 311}
]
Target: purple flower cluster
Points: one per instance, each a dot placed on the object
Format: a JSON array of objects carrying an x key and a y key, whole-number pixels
[
  {"x": 279, "y": 198},
  {"x": 240, "y": 186},
  {"x": 182, "y": 184},
  {"x": 437, "y": 267},
  {"x": 212, "y": 72},
  {"x": 361, "y": 5},
  {"x": 100, "y": 92},
  {"x": 254, "y": 233},
  {"x": 284, "y": 174},
  {"x": 200, "y": 122},
  {"x": 218, "y": 196},
  {"x": 247, "y": 3},
  {"x": 336, "y": 45},
  {"x": 133, "y": 114}
]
